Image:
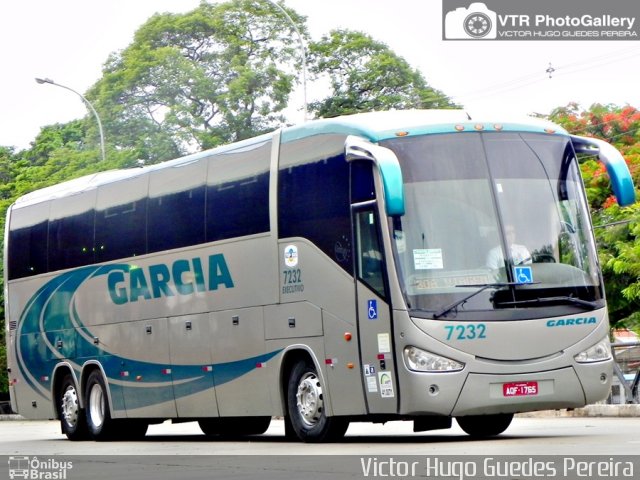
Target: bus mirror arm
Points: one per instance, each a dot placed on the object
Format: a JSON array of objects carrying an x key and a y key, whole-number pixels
[
  {"x": 388, "y": 165},
  {"x": 621, "y": 181}
]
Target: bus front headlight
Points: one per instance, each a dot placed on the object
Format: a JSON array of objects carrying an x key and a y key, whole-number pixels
[
  {"x": 419, "y": 360},
  {"x": 599, "y": 352}
]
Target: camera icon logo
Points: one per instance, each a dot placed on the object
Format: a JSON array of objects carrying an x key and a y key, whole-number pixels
[{"x": 475, "y": 22}]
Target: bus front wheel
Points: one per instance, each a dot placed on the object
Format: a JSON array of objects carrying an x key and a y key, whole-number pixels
[
  {"x": 482, "y": 426},
  {"x": 72, "y": 417},
  {"x": 306, "y": 408}
]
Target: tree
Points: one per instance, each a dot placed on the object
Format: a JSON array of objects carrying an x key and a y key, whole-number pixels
[
  {"x": 53, "y": 137},
  {"x": 191, "y": 81},
  {"x": 365, "y": 75}
]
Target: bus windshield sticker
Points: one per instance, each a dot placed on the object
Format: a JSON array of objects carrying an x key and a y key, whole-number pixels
[
  {"x": 523, "y": 274},
  {"x": 291, "y": 256},
  {"x": 386, "y": 384},
  {"x": 427, "y": 259}
]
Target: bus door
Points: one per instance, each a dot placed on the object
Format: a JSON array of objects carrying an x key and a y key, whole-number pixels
[{"x": 375, "y": 330}]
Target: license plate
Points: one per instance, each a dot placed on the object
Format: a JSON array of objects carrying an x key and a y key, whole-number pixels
[{"x": 519, "y": 389}]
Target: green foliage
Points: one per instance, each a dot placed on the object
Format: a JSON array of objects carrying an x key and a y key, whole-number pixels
[
  {"x": 366, "y": 75},
  {"x": 195, "y": 80}
]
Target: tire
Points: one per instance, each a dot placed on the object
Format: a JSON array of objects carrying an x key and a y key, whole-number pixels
[
  {"x": 305, "y": 407},
  {"x": 99, "y": 422},
  {"x": 72, "y": 418},
  {"x": 234, "y": 426},
  {"x": 483, "y": 426}
]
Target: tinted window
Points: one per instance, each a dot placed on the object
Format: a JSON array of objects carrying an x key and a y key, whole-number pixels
[
  {"x": 121, "y": 219},
  {"x": 362, "y": 185},
  {"x": 177, "y": 206},
  {"x": 71, "y": 241},
  {"x": 71, "y": 223},
  {"x": 28, "y": 241},
  {"x": 313, "y": 195},
  {"x": 176, "y": 220},
  {"x": 238, "y": 192}
]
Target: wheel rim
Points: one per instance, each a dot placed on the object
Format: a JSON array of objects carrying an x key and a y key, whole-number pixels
[
  {"x": 309, "y": 399},
  {"x": 96, "y": 406},
  {"x": 70, "y": 408}
]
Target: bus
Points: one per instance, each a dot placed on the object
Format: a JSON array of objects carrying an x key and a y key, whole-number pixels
[{"x": 405, "y": 265}]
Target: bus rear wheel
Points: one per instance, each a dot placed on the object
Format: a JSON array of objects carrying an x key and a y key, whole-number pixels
[
  {"x": 99, "y": 422},
  {"x": 482, "y": 426},
  {"x": 306, "y": 409},
  {"x": 72, "y": 417}
]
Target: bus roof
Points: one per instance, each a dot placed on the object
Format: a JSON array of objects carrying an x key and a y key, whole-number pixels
[
  {"x": 374, "y": 126},
  {"x": 378, "y": 126}
]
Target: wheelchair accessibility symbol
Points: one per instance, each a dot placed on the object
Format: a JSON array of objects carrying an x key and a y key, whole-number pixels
[
  {"x": 372, "y": 309},
  {"x": 523, "y": 274}
]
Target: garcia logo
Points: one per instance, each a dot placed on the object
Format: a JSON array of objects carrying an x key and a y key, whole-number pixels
[
  {"x": 183, "y": 277},
  {"x": 567, "y": 322},
  {"x": 474, "y": 22}
]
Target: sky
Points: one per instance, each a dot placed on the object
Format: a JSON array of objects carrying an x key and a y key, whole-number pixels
[{"x": 70, "y": 40}]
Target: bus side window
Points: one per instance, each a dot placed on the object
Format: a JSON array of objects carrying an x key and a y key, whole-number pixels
[
  {"x": 238, "y": 192},
  {"x": 313, "y": 195},
  {"x": 370, "y": 258},
  {"x": 362, "y": 185},
  {"x": 28, "y": 240},
  {"x": 121, "y": 219}
]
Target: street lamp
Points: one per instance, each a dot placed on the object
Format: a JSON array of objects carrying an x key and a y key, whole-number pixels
[
  {"x": 303, "y": 54},
  {"x": 87, "y": 102}
]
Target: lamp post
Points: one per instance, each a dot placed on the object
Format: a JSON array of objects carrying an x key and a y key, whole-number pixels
[
  {"x": 303, "y": 54},
  {"x": 88, "y": 103}
]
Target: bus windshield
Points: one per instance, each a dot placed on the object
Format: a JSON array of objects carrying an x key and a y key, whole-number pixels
[{"x": 496, "y": 227}]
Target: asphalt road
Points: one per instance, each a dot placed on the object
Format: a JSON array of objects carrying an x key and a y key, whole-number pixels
[{"x": 181, "y": 451}]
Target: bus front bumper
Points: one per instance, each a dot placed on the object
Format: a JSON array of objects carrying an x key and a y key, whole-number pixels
[{"x": 488, "y": 393}]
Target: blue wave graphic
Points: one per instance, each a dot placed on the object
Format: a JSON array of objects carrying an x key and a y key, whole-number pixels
[{"x": 51, "y": 317}]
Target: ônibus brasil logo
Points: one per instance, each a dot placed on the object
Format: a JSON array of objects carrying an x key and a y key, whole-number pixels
[{"x": 35, "y": 468}]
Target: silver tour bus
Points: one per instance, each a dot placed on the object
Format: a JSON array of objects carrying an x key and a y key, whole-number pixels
[{"x": 410, "y": 265}]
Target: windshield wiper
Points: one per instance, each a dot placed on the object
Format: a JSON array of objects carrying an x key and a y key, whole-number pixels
[
  {"x": 481, "y": 288},
  {"x": 561, "y": 299}
]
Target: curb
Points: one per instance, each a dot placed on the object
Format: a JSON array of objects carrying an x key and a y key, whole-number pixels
[
  {"x": 627, "y": 410},
  {"x": 4, "y": 418}
]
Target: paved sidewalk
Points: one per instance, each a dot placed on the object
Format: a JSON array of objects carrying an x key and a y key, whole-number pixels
[{"x": 599, "y": 410}]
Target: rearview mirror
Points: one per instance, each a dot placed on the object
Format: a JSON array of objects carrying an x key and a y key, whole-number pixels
[{"x": 621, "y": 181}]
